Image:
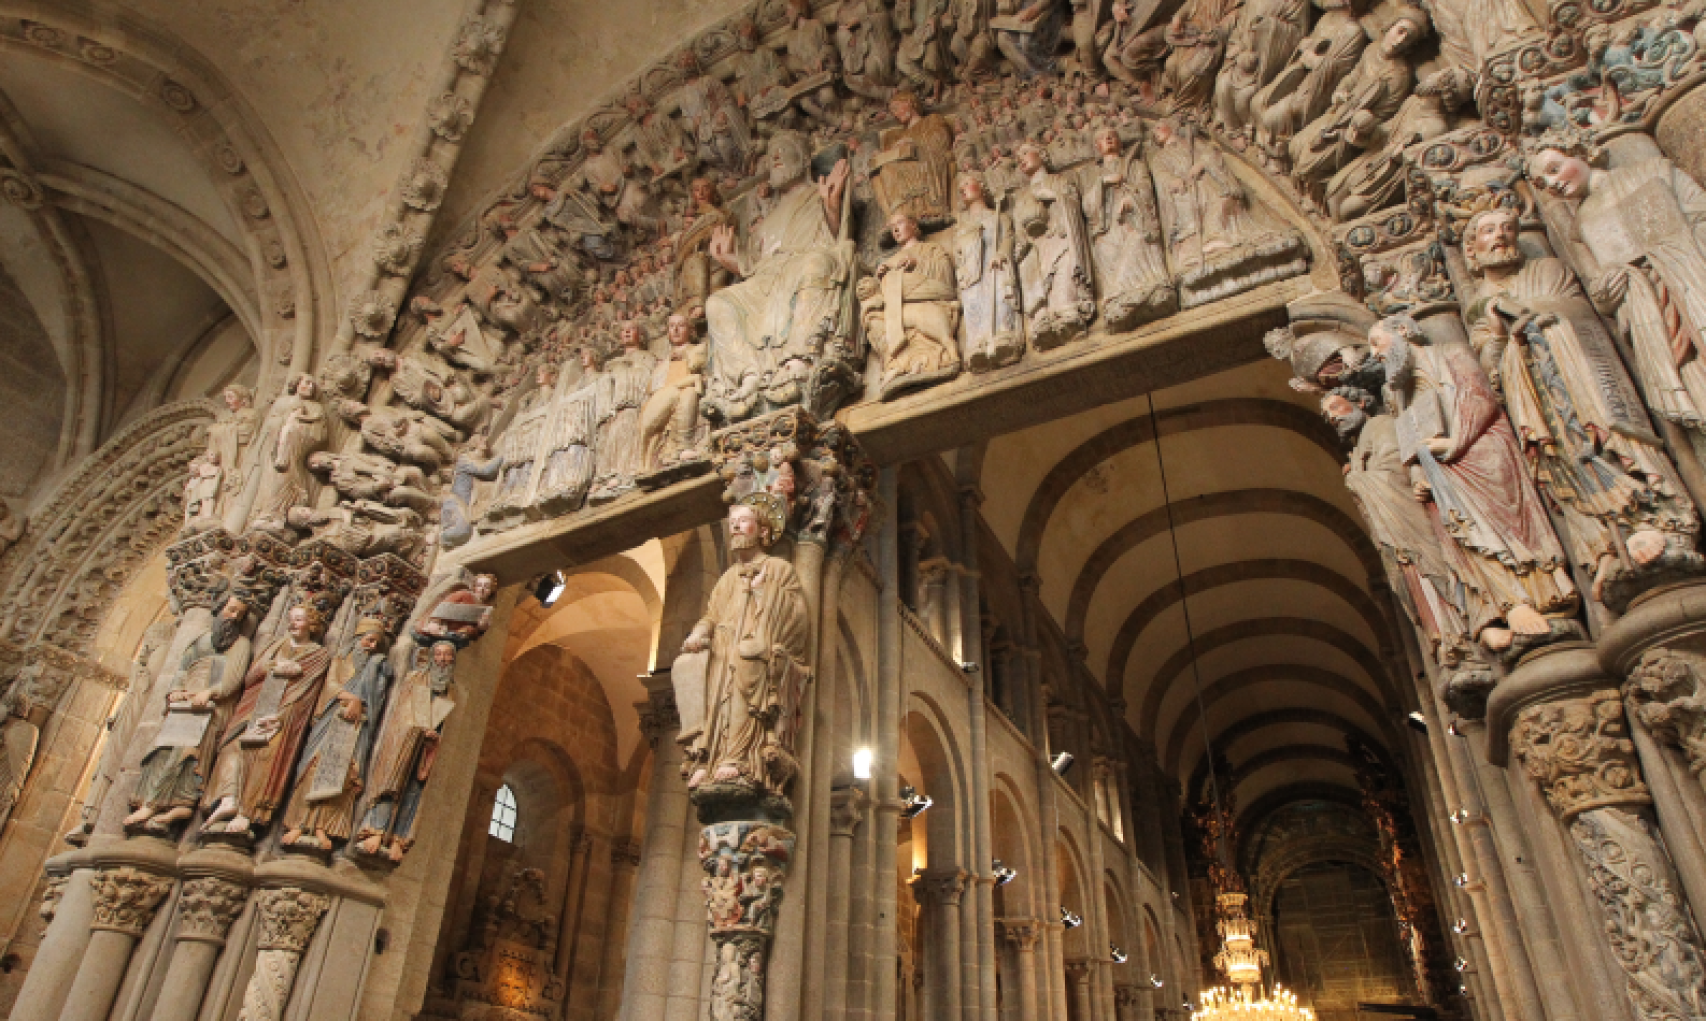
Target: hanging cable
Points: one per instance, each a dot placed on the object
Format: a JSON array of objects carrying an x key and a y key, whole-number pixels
[{"x": 1190, "y": 635}]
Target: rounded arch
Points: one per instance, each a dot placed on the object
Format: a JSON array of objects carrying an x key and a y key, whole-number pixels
[
  {"x": 1187, "y": 723},
  {"x": 933, "y": 755},
  {"x": 1013, "y": 833},
  {"x": 1139, "y": 430},
  {"x": 1175, "y": 665},
  {"x": 1075, "y": 892}
]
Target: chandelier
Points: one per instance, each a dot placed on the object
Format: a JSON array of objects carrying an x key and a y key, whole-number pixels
[{"x": 1242, "y": 960}]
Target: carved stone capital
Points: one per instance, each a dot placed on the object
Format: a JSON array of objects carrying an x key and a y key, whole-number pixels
[
  {"x": 659, "y": 717},
  {"x": 1580, "y": 752},
  {"x": 289, "y": 917},
  {"x": 1129, "y": 996},
  {"x": 207, "y": 908},
  {"x": 1023, "y": 933},
  {"x": 50, "y": 898},
  {"x": 825, "y": 484},
  {"x": 1663, "y": 691},
  {"x": 625, "y": 853},
  {"x": 941, "y": 887},
  {"x": 847, "y": 810},
  {"x": 126, "y": 899}
]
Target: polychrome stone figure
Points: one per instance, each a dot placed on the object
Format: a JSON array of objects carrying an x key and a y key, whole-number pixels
[
  {"x": 258, "y": 746},
  {"x": 717, "y": 124},
  {"x": 1125, "y": 236},
  {"x": 456, "y": 514},
  {"x": 569, "y": 457},
  {"x": 1375, "y": 179},
  {"x": 1304, "y": 88},
  {"x": 911, "y": 312},
  {"x": 627, "y": 382},
  {"x": 914, "y": 171},
  {"x": 199, "y": 698},
  {"x": 405, "y": 749},
  {"x": 1262, "y": 41},
  {"x": 1576, "y": 411},
  {"x": 1466, "y": 460},
  {"x": 986, "y": 272},
  {"x": 1643, "y": 231},
  {"x": 295, "y": 427},
  {"x": 332, "y": 772},
  {"x": 757, "y": 628},
  {"x": 669, "y": 421},
  {"x": 1053, "y": 249},
  {"x": 793, "y": 267}
]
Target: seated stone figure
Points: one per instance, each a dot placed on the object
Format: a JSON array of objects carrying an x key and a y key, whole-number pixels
[
  {"x": 768, "y": 330},
  {"x": 911, "y": 313}
]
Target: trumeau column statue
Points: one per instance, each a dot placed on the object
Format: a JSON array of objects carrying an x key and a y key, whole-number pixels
[
  {"x": 744, "y": 685},
  {"x": 1574, "y": 408}
]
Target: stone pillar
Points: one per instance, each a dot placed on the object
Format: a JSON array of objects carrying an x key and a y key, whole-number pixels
[
  {"x": 625, "y": 858},
  {"x": 68, "y": 909},
  {"x": 1568, "y": 730},
  {"x": 125, "y": 900},
  {"x": 939, "y": 891},
  {"x": 1023, "y": 934},
  {"x": 983, "y": 841},
  {"x": 1129, "y": 1002},
  {"x": 216, "y": 886},
  {"x": 645, "y": 983},
  {"x": 891, "y": 700},
  {"x": 847, "y": 811},
  {"x": 288, "y": 919},
  {"x": 1078, "y": 977}
]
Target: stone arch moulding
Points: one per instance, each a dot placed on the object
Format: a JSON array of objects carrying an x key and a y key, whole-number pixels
[
  {"x": 122, "y": 506},
  {"x": 110, "y": 44}
]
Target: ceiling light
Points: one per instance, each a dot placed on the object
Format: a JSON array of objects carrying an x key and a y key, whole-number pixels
[{"x": 862, "y": 764}]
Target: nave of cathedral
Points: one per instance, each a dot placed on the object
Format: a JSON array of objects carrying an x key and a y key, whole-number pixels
[{"x": 867, "y": 510}]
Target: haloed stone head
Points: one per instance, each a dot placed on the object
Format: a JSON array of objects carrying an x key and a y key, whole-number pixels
[{"x": 1561, "y": 174}]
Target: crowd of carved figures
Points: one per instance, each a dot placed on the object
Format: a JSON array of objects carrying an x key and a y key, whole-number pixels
[{"x": 811, "y": 205}]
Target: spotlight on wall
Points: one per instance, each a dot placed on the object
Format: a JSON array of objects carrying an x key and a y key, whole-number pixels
[
  {"x": 1451, "y": 729},
  {"x": 1156, "y": 981},
  {"x": 1464, "y": 992},
  {"x": 913, "y": 803},
  {"x": 1461, "y": 816},
  {"x": 1461, "y": 964},
  {"x": 1461, "y": 880},
  {"x": 1002, "y": 872},
  {"x": 549, "y": 587},
  {"x": 1461, "y": 927},
  {"x": 1070, "y": 920},
  {"x": 1062, "y": 762},
  {"x": 1417, "y": 722},
  {"x": 969, "y": 667},
  {"x": 862, "y": 764},
  {"x": 1119, "y": 956}
]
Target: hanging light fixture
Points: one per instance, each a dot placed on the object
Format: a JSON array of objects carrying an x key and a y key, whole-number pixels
[{"x": 1239, "y": 957}]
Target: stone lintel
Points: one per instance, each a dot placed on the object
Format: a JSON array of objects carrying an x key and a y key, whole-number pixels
[{"x": 1084, "y": 374}]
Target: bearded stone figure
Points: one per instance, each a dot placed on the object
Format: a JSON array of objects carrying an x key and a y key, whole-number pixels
[
  {"x": 1125, "y": 236},
  {"x": 1466, "y": 461},
  {"x": 1589, "y": 441},
  {"x": 1375, "y": 179},
  {"x": 1397, "y": 520},
  {"x": 1261, "y": 43},
  {"x": 757, "y": 628},
  {"x": 768, "y": 330},
  {"x": 911, "y": 313},
  {"x": 1643, "y": 228},
  {"x": 295, "y": 427},
  {"x": 229, "y": 437},
  {"x": 1053, "y": 250},
  {"x": 332, "y": 773},
  {"x": 257, "y": 749},
  {"x": 985, "y": 271},
  {"x": 209, "y": 677},
  {"x": 405, "y": 749}
]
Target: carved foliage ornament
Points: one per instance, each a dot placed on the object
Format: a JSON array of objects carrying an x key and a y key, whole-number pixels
[
  {"x": 1664, "y": 694},
  {"x": 126, "y": 899},
  {"x": 207, "y": 908},
  {"x": 289, "y": 918},
  {"x": 1580, "y": 752}
]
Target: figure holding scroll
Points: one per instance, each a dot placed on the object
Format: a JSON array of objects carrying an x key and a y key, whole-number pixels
[
  {"x": 405, "y": 749},
  {"x": 209, "y": 676},
  {"x": 334, "y": 757},
  {"x": 259, "y": 745}
]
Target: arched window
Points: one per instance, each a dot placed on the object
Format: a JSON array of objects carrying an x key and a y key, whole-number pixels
[{"x": 503, "y": 815}]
